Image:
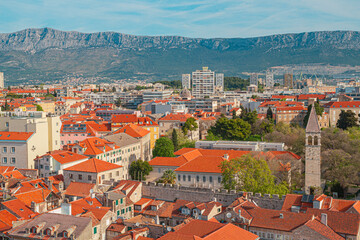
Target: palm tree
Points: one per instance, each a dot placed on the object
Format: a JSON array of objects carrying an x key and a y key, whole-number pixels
[{"x": 169, "y": 177}]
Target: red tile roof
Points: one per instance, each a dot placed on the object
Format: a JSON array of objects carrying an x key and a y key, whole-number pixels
[
  {"x": 15, "y": 136},
  {"x": 167, "y": 161},
  {"x": 79, "y": 189},
  {"x": 19, "y": 208},
  {"x": 93, "y": 165},
  {"x": 347, "y": 104},
  {"x": 133, "y": 130},
  {"x": 208, "y": 164},
  {"x": 63, "y": 156},
  {"x": 176, "y": 117},
  {"x": 95, "y": 146},
  {"x": 327, "y": 232},
  {"x": 124, "y": 118}
]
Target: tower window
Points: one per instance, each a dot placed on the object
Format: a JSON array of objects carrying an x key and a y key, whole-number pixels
[
  {"x": 316, "y": 140},
  {"x": 310, "y": 140}
]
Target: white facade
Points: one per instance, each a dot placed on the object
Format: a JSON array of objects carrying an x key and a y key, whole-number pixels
[
  {"x": 269, "y": 79},
  {"x": 219, "y": 83},
  {"x": 186, "y": 81},
  {"x": 2, "y": 85},
  {"x": 203, "y": 82},
  {"x": 101, "y": 97},
  {"x": 254, "y": 79}
]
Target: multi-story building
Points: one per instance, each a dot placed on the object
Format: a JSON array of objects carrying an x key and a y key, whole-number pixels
[
  {"x": 93, "y": 171},
  {"x": 96, "y": 148},
  {"x": 240, "y": 145},
  {"x": 45, "y": 131},
  {"x": 101, "y": 97},
  {"x": 254, "y": 79},
  {"x": 186, "y": 81},
  {"x": 205, "y": 104},
  {"x": 2, "y": 85},
  {"x": 219, "y": 82},
  {"x": 203, "y": 83},
  {"x": 64, "y": 92},
  {"x": 177, "y": 121},
  {"x": 107, "y": 114},
  {"x": 288, "y": 80},
  {"x": 269, "y": 79},
  {"x": 53, "y": 163},
  {"x": 159, "y": 95},
  {"x": 334, "y": 109}
]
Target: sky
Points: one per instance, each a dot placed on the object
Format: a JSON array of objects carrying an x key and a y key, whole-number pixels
[{"x": 190, "y": 18}]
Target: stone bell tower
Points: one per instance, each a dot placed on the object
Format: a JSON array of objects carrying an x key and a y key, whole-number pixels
[{"x": 312, "y": 153}]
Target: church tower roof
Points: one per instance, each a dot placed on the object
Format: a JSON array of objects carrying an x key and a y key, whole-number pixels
[{"x": 313, "y": 124}]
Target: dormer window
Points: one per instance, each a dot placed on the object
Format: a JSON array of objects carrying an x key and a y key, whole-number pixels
[
  {"x": 48, "y": 232},
  {"x": 33, "y": 230},
  {"x": 65, "y": 234}
]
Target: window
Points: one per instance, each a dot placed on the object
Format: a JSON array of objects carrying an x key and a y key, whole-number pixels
[
  {"x": 12, "y": 149},
  {"x": 70, "y": 175},
  {"x": 103, "y": 177},
  {"x": 189, "y": 178},
  {"x": 33, "y": 230},
  {"x": 179, "y": 177},
  {"x": 117, "y": 173},
  {"x": 118, "y": 212},
  {"x": 204, "y": 179},
  {"x": 219, "y": 179},
  {"x": 184, "y": 178},
  {"x": 80, "y": 177},
  {"x": 89, "y": 177},
  {"x": 95, "y": 230},
  {"x": 7, "y": 124},
  {"x": 197, "y": 178},
  {"x": 48, "y": 232},
  {"x": 4, "y": 160},
  {"x": 129, "y": 209},
  {"x": 117, "y": 202},
  {"x": 4, "y": 149},
  {"x": 47, "y": 168},
  {"x": 121, "y": 201},
  {"x": 210, "y": 179}
]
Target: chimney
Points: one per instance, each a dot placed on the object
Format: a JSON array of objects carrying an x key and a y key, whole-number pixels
[
  {"x": 66, "y": 207},
  {"x": 281, "y": 215},
  {"x": 239, "y": 213},
  {"x": 226, "y": 156},
  {"x": 324, "y": 219}
]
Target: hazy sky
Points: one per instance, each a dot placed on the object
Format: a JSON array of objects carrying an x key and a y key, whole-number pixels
[{"x": 196, "y": 18}]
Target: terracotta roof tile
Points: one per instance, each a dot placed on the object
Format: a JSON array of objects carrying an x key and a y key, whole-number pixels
[
  {"x": 15, "y": 136},
  {"x": 93, "y": 165},
  {"x": 79, "y": 189},
  {"x": 133, "y": 130}
]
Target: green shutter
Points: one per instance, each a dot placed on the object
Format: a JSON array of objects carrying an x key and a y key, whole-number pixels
[
  {"x": 118, "y": 212},
  {"x": 121, "y": 201},
  {"x": 95, "y": 230},
  {"x": 117, "y": 202}
]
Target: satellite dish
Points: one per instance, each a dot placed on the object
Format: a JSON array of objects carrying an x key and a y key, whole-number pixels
[
  {"x": 228, "y": 215},
  {"x": 168, "y": 229}
]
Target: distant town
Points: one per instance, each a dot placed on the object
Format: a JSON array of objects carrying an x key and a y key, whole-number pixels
[{"x": 273, "y": 156}]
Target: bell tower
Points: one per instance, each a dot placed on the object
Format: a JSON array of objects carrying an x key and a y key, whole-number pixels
[{"x": 312, "y": 153}]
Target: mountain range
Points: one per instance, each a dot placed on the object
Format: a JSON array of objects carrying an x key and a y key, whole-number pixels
[{"x": 49, "y": 55}]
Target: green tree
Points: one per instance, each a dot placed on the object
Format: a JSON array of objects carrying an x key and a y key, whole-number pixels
[
  {"x": 231, "y": 129},
  {"x": 118, "y": 102},
  {"x": 190, "y": 125},
  {"x": 347, "y": 119},
  {"x": 269, "y": 114},
  {"x": 175, "y": 139},
  {"x": 168, "y": 177},
  {"x": 139, "y": 170},
  {"x": 39, "y": 108},
  {"x": 234, "y": 114},
  {"x": 250, "y": 117},
  {"x": 251, "y": 175},
  {"x": 163, "y": 148},
  {"x": 113, "y": 89},
  {"x": 9, "y": 88},
  {"x": 6, "y": 106},
  {"x": 233, "y": 83}
]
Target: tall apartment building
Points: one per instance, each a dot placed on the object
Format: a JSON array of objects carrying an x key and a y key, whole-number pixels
[
  {"x": 254, "y": 80},
  {"x": 2, "y": 85},
  {"x": 186, "y": 81},
  {"x": 269, "y": 79},
  {"x": 159, "y": 95},
  {"x": 205, "y": 83},
  {"x": 288, "y": 80}
]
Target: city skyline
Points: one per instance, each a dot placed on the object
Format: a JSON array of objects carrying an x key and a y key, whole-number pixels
[{"x": 201, "y": 18}]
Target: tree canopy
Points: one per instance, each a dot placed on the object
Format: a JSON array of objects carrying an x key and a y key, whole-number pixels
[
  {"x": 233, "y": 83},
  {"x": 347, "y": 119},
  {"x": 190, "y": 125},
  {"x": 231, "y": 129},
  {"x": 175, "y": 139},
  {"x": 139, "y": 170},
  {"x": 39, "y": 108},
  {"x": 163, "y": 148},
  {"x": 168, "y": 177},
  {"x": 251, "y": 175}
]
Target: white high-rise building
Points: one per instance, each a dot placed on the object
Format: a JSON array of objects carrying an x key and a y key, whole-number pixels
[
  {"x": 219, "y": 83},
  {"x": 2, "y": 85},
  {"x": 269, "y": 79},
  {"x": 254, "y": 79},
  {"x": 186, "y": 81},
  {"x": 204, "y": 83}
]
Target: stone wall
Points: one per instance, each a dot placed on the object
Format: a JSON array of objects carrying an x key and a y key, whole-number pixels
[{"x": 173, "y": 192}]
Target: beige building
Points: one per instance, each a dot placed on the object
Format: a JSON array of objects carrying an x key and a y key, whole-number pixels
[
  {"x": 2, "y": 84},
  {"x": 46, "y": 129},
  {"x": 48, "y": 106},
  {"x": 334, "y": 109},
  {"x": 130, "y": 148},
  {"x": 94, "y": 171}
]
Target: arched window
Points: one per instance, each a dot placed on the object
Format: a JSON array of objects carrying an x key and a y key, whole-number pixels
[
  {"x": 65, "y": 234},
  {"x": 48, "y": 232},
  {"x": 33, "y": 230},
  {"x": 310, "y": 140},
  {"x": 316, "y": 140}
]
